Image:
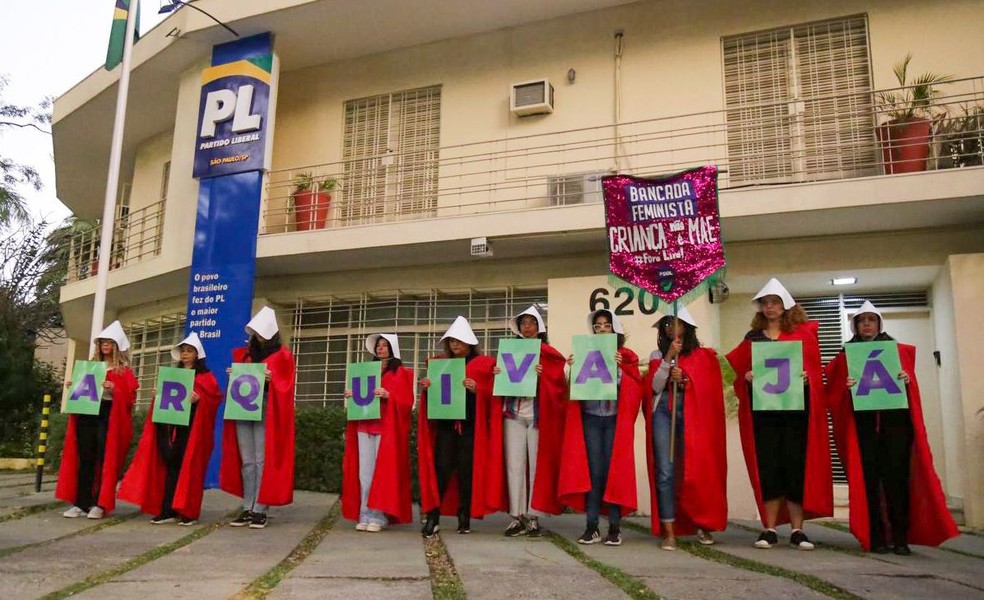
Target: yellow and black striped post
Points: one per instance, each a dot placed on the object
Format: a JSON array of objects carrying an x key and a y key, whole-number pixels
[{"x": 42, "y": 441}]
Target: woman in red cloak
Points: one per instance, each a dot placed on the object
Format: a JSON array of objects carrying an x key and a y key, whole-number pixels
[
  {"x": 688, "y": 492},
  {"x": 468, "y": 451},
  {"x": 887, "y": 457},
  {"x": 258, "y": 456},
  {"x": 599, "y": 435},
  {"x": 96, "y": 445},
  {"x": 167, "y": 476},
  {"x": 786, "y": 452},
  {"x": 376, "y": 466},
  {"x": 532, "y": 434}
]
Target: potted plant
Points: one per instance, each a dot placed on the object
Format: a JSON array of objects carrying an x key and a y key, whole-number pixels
[
  {"x": 311, "y": 200},
  {"x": 961, "y": 139},
  {"x": 905, "y": 137}
]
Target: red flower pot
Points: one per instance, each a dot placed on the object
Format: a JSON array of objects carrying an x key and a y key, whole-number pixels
[
  {"x": 905, "y": 145},
  {"x": 311, "y": 209}
]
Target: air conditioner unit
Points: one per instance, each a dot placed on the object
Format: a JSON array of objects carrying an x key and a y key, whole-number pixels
[
  {"x": 576, "y": 188},
  {"x": 531, "y": 98}
]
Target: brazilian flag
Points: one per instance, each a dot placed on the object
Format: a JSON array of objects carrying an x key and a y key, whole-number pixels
[{"x": 114, "y": 55}]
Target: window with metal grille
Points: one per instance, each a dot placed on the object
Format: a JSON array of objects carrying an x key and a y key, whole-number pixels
[
  {"x": 829, "y": 312},
  {"x": 391, "y": 152},
  {"x": 799, "y": 103},
  {"x": 330, "y": 333},
  {"x": 151, "y": 341}
]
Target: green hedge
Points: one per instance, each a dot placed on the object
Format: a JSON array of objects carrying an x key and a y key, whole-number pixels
[{"x": 319, "y": 446}]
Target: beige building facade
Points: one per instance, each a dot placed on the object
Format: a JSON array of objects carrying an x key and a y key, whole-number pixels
[{"x": 408, "y": 109}]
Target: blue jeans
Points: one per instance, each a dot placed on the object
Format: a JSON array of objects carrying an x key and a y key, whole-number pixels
[
  {"x": 665, "y": 473},
  {"x": 599, "y": 438}
]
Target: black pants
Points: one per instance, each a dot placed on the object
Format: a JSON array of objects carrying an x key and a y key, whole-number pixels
[
  {"x": 90, "y": 434},
  {"x": 885, "y": 441},
  {"x": 454, "y": 452},
  {"x": 172, "y": 441},
  {"x": 780, "y": 447}
]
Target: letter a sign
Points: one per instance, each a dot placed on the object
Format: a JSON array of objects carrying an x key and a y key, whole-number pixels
[
  {"x": 594, "y": 372},
  {"x": 875, "y": 367},
  {"x": 87, "y": 380},
  {"x": 777, "y": 376},
  {"x": 244, "y": 398}
]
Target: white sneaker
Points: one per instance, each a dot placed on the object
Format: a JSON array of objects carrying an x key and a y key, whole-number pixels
[
  {"x": 374, "y": 527},
  {"x": 73, "y": 513},
  {"x": 705, "y": 538},
  {"x": 361, "y": 526},
  {"x": 95, "y": 513}
]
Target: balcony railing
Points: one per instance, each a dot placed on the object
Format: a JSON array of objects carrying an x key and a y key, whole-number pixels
[
  {"x": 136, "y": 236},
  {"x": 805, "y": 139}
]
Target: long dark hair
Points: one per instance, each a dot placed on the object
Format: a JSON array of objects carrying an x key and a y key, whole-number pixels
[
  {"x": 393, "y": 363},
  {"x": 689, "y": 337},
  {"x": 259, "y": 350},
  {"x": 611, "y": 319},
  {"x": 473, "y": 349},
  {"x": 199, "y": 366}
]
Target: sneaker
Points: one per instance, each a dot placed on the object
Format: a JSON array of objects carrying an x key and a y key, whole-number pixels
[
  {"x": 533, "y": 528},
  {"x": 431, "y": 527},
  {"x": 242, "y": 520},
  {"x": 186, "y": 522},
  {"x": 161, "y": 519},
  {"x": 799, "y": 541},
  {"x": 361, "y": 526},
  {"x": 705, "y": 538},
  {"x": 464, "y": 523},
  {"x": 258, "y": 521},
  {"x": 374, "y": 527},
  {"x": 668, "y": 544},
  {"x": 95, "y": 513},
  {"x": 614, "y": 537},
  {"x": 516, "y": 528},
  {"x": 767, "y": 539},
  {"x": 590, "y": 536},
  {"x": 73, "y": 513},
  {"x": 902, "y": 550}
]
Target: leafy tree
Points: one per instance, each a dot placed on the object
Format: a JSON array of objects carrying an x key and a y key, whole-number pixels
[{"x": 13, "y": 207}]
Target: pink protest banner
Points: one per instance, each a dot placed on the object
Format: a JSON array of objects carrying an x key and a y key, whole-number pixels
[{"x": 664, "y": 235}]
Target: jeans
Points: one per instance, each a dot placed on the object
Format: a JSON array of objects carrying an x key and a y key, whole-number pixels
[
  {"x": 521, "y": 439},
  {"x": 251, "y": 436},
  {"x": 665, "y": 470},
  {"x": 368, "y": 453},
  {"x": 599, "y": 438}
]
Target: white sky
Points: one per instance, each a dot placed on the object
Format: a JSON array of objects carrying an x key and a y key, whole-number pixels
[{"x": 46, "y": 47}]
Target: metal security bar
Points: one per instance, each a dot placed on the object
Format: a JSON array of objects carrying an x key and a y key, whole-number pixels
[
  {"x": 564, "y": 168},
  {"x": 136, "y": 236}
]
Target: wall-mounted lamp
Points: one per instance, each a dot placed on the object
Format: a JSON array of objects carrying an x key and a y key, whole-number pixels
[{"x": 843, "y": 281}]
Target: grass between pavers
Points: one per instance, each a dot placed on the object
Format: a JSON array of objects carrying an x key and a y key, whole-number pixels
[
  {"x": 445, "y": 582},
  {"x": 138, "y": 561},
  {"x": 264, "y": 584},
  {"x": 20, "y": 513},
  {"x": 712, "y": 554},
  {"x": 102, "y": 524},
  {"x": 633, "y": 586}
]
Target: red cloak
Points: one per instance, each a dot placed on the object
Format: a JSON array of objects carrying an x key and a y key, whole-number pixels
[
  {"x": 488, "y": 467},
  {"x": 390, "y": 491},
  {"x": 118, "y": 436},
  {"x": 551, "y": 398},
  {"x": 818, "y": 485},
  {"x": 930, "y": 523},
  {"x": 277, "y": 481},
  {"x": 575, "y": 480},
  {"x": 702, "y": 486},
  {"x": 143, "y": 483}
]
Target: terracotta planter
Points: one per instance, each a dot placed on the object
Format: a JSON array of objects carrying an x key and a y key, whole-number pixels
[
  {"x": 311, "y": 209},
  {"x": 905, "y": 145}
]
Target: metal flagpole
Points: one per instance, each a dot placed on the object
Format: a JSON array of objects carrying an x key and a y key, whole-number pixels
[{"x": 113, "y": 178}]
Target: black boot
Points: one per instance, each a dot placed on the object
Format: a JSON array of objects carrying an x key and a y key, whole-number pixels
[{"x": 432, "y": 525}]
